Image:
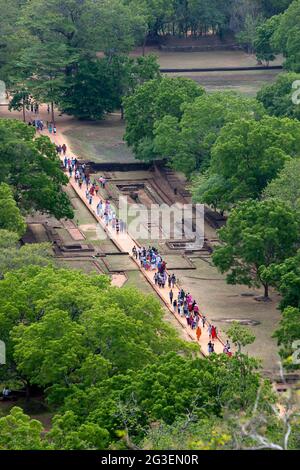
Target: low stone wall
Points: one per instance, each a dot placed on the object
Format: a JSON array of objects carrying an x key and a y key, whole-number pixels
[{"x": 200, "y": 48}]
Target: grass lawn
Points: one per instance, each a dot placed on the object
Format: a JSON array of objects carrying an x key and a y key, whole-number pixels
[{"x": 101, "y": 142}]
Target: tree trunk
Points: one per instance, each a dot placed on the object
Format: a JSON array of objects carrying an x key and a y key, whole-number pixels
[
  {"x": 266, "y": 288},
  {"x": 144, "y": 44},
  {"x": 27, "y": 388},
  {"x": 52, "y": 113},
  {"x": 24, "y": 112}
]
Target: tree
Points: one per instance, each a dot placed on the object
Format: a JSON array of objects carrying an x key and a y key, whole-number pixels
[
  {"x": 119, "y": 27},
  {"x": 20, "y": 101},
  {"x": 63, "y": 35},
  {"x": 47, "y": 351},
  {"x": 273, "y": 7},
  {"x": 277, "y": 97},
  {"x": 257, "y": 235},
  {"x": 91, "y": 91},
  {"x": 189, "y": 433},
  {"x": 264, "y": 50},
  {"x": 13, "y": 256},
  {"x": 12, "y": 37},
  {"x": 187, "y": 142},
  {"x": 287, "y": 335},
  {"x": 246, "y": 37},
  {"x": 19, "y": 432},
  {"x": 32, "y": 168},
  {"x": 286, "y": 37},
  {"x": 83, "y": 27},
  {"x": 285, "y": 277},
  {"x": 99, "y": 85},
  {"x": 150, "y": 103},
  {"x": 286, "y": 186},
  {"x": 33, "y": 290},
  {"x": 248, "y": 154},
  {"x": 10, "y": 216},
  {"x": 240, "y": 336},
  {"x": 40, "y": 69},
  {"x": 8, "y": 239},
  {"x": 166, "y": 391},
  {"x": 56, "y": 338},
  {"x": 68, "y": 434},
  {"x": 209, "y": 190},
  {"x": 131, "y": 72}
]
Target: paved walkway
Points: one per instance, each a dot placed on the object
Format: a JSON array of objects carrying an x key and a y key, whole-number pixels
[{"x": 125, "y": 243}]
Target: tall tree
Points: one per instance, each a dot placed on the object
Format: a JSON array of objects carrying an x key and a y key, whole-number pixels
[
  {"x": 277, "y": 97},
  {"x": 248, "y": 154},
  {"x": 32, "y": 168},
  {"x": 286, "y": 186},
  {"x": 99, "y": 85},
  {"x": 19, "y": 432},
  {"x": 187, "y": 142},
  {"x": 10, "y": 216},
  {"x": 149, "y": 104},
  {"x": 13, "y": 256},
  {"x": 285, "y": 277},
  {"x": 286, "y": 38},
  {"x": 287, "y": 335},
  {"x": 257, "y": 235},
  {"x": 264, "y": 50}
]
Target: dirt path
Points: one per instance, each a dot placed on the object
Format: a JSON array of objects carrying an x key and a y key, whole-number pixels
[{"x": 125, "y": 243}]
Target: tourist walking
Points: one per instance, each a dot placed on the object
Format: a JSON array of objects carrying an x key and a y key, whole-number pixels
[{"x": 198, "y": 333}]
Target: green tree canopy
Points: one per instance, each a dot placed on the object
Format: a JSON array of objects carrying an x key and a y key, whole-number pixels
[
  {"x": 286, "y": 37},
  {"x": 285, "y": 277},
  {"x": 51, "y": 330},
  {"x": 257, "y": 235},
  {"x": 286, "y": 186},
  {"x": 187, "y": 142},
  {"x": 13, "y": 256},
  {"x": 248, "y": 154},
  {"x": 264, "y": 49},
  {"x": 240, "y": 335},
  {"x": 98, "y": 85},
  {"x": 68, "y": 434},
  {"x": 165, "y": 391},
  {"x": 277, "y": 97},
  {"x": 10, "y": 216},
  {"x": 149, "y": 104},
  {"x": 32, "y": 168},
  {"x": 19, "y": 432},
  {"x": 287, "y": 335}
]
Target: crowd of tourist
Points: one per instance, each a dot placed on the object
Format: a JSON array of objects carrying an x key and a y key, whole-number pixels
[
  {"x": 183, "y": 304},
  {"x": 149, "y": 258},
  {"x": 104, "y": 209}
]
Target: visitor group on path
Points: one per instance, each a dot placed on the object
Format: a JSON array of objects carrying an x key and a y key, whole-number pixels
[
  {"x": 149, "y": 258},
  {"x": 181, "y": 303}
]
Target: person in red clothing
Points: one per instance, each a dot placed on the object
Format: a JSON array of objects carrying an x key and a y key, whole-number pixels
[
  {"x": 198, "y": 333},
  {"x": 213, "y": 332}
]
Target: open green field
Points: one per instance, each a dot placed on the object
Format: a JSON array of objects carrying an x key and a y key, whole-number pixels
[
  {"x": 213, "y": 58},
  {"x": 103, "y": 141},
  {"x": 244, "y": 82},
  {"x": 100, "y": 142}
]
